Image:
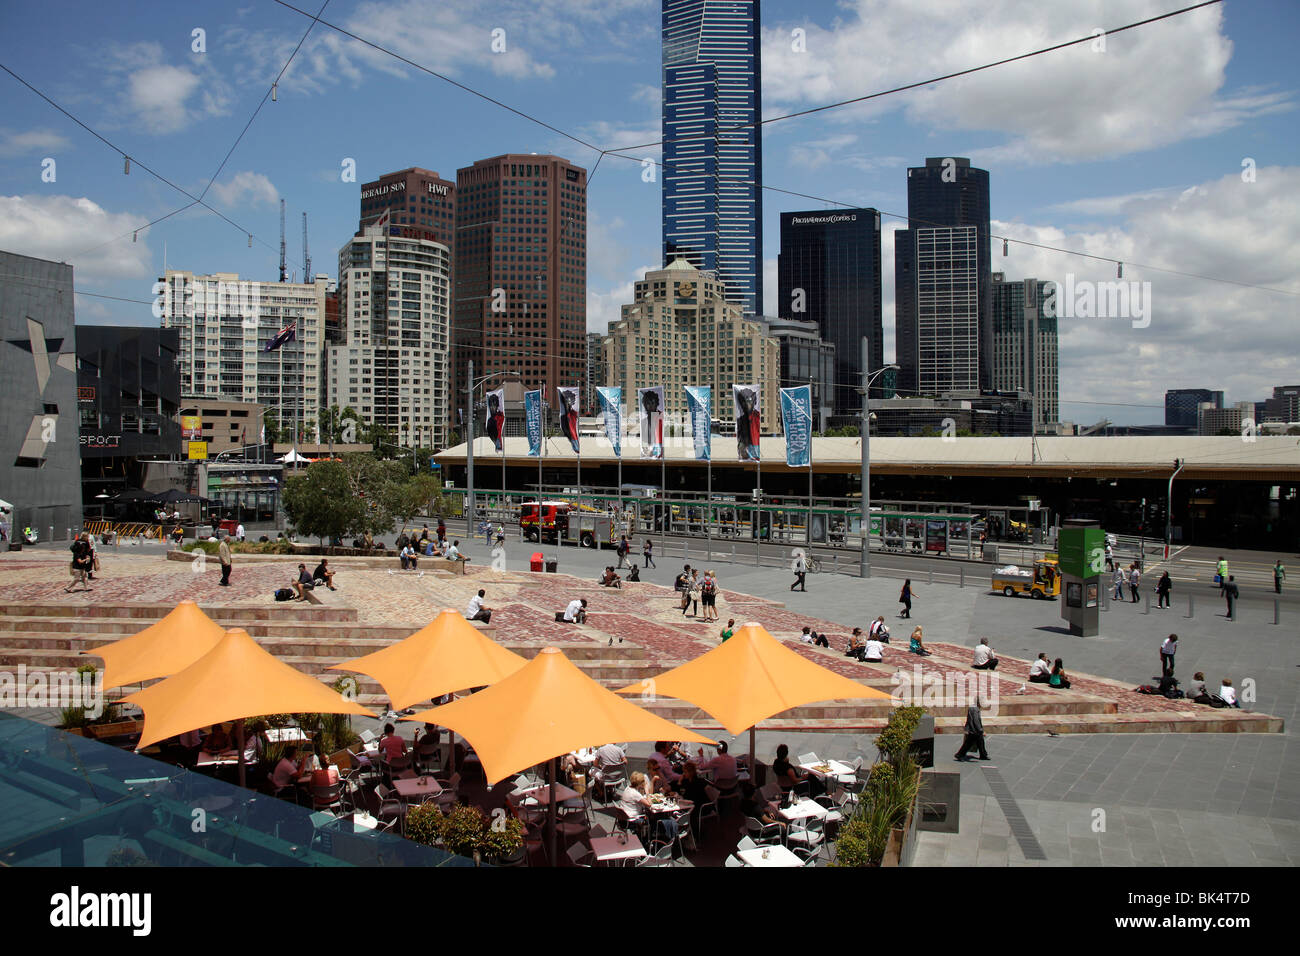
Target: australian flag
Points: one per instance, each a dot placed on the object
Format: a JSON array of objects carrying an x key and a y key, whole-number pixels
[{"x": 287, "y": 334}]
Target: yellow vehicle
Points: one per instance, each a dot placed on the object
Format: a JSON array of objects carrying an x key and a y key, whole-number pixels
[{"x": 1043, "y": 582}]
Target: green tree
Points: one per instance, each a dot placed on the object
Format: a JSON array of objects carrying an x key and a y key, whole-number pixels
[
  {"x": 417, "y": 495},
  {"x": 321, "y": 503}
]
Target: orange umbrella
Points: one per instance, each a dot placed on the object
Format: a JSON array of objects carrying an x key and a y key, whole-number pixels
[
  {"x": 447, "y": 654},
  {"x": 546, "y": 708},
  {"x": 750, "y": 677},
  {"x": 234, "y": 680},
  {"x": 161, "y": 649}
]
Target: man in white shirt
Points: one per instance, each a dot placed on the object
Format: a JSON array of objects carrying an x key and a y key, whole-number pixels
[
  {"x": 984, "y": 658},
  {"x": 476, "y": 611},
  {"x": 1167, "y": 651},
  {"x": 1118, "y": 580},
  {"x": 1228, "y": 693},
  {"x": 1041, "y": 671},
  {"x": 1134, "y": 579},
  {"x": 576, "y": 612},
  {"x": 806, "y": 636},
  {"x": 453, "y": 552},
  {"x": 874, "y": 652},
  {"x": 239, "y": 530}
]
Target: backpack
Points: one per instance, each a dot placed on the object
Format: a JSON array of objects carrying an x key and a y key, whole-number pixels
[
  {"x": 1146, "y": 689},
  {"x": 284, "y": 594}
]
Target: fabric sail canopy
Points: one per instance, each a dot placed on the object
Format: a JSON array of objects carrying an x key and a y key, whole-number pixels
[{"x": 183, "y": 636}]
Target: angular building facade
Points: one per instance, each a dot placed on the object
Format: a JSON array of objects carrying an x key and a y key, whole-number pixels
[
  {"x": 419, "y": 204},
  {"x": 1025, "y": 346},
  {"x": 521, "y": 272},
  {"x": 712, "y": 146},
  {"x": 945, "y": 355},
  {"x": 1182, "y": 405},
  {"x": 806, "y": 358},
  {"x": 828, "y": 272}
]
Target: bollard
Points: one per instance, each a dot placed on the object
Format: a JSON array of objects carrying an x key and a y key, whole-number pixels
[
  {"x": 1191, "y": 607},
  {"x": 836, "y": 559},
  {"x": 1277, "y": 611},
  {"x": 733, "y": 550},
  {"x": 931, "y": 579},
  {"x": 1148, "y": 604},
  {"x": 961, "y": 575}
]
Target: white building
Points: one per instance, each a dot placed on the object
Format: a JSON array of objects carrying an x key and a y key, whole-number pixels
[{"x": 392, "y": 366}]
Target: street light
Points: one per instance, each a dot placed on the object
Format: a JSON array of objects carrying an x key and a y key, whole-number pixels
[{"x": 864, "y": 565}]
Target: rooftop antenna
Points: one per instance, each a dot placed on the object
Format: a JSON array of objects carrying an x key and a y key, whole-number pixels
[
  {"x": 284, "y": 272},
  {"x": 306, "y": 256}
]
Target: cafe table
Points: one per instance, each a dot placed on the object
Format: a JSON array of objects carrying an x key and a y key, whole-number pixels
[
  {"x": 774, "y": 855},
  {"x": 541, "y": 796},
  {"x": 610, "y": 849},
  {"x": 227, "y": 758},
  {"x": 837, "y": 769},
  {"x": 417, "y": 788},
  {"x": 803, "y": 809}
]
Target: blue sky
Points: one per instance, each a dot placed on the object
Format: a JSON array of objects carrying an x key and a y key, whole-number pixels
[{"x": 1133, "y": 152}]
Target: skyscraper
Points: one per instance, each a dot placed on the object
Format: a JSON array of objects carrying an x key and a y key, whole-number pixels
[
  {"x": 828, "y": 272},
  {"x": 1182, "y": 405},
  {"x": 713, "y": 170},
  {"x": 1025, "y": 353},
  {"x": 945, "y": 193},
  {"x": 521, "y": 271}
]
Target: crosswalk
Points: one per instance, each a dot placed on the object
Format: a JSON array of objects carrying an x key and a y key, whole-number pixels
[{"x": 1202, "y": 571}]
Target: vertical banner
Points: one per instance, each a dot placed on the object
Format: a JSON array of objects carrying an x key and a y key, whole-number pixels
[
  {"x": 494, "y": 426},
  {"x": 796, "y": 416},
  {"x": 699, "y": 398},
  {"x": 650, "y": 403},
  {"x": 749, "y": 427},
  {"x": 533, "y": 421},
  {"x": 611, "y": 403},
  {"x": 569, "y": 415}
]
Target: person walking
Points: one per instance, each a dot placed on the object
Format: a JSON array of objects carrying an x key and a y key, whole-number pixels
[
  {"x": 1134, "y": 579},
  {"x": 709, "y": 596},
  {"x": 647, "y": 554},
  {"x": 1221, "y": 572},
  {"x": 1167, "y": 651},
  {"x": 1163, "y": 587},
  {"x": 223, "y": 553},
  {"x": 621, "y": 550},
  {"x": 1110, "y": 558},
  {"x": 974, "y": 733},
  {"x": 80, "y": 562},
  {"x": 1231, "y": 594},
  {"x": 1279, "y": 575},
  {"x": 800, "y": 572},
  {"x": 1118, "y": 580},
  {"x": 905, "y": 598},
  {"x": 692, "y": 595}
]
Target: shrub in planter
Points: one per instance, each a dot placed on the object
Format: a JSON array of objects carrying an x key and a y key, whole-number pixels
[
  {"x": 895, "y": 740},
  {"x": 424, "y": 824},
  {"x": 463, "y": 829},
  {"x": 503, "y": 838}
]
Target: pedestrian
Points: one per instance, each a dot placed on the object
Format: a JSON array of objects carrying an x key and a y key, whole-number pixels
[
  {"x": 709, "y": 595},
  {"x": 726, "y": 633},
  {"x": 1167, "y": 651},
  {"x": 223, "y": 553},
  {"x": 1163, "y": 587},
  {"x": 1134, "y": 579},
  {"x": 974, "y": 733},
  {"x": 80, "y": 562},
  {"x": 1231, "y": 594},
  {"x": 1119, "y": 580},
  {"x": 905, "y": 598},
  {"x": 1279, "y": 575},
  {"x": 800, "y": 572},
  {"x": 442, "y": 533},
  {"x": 239, "y": 531},
  {"x": 1110, "y": 558},
  {"x": 1221, "y": 574},
  {"x": 682, "y": 585},
  {"x": 622, "y": 550},
  {"x": 647, "y": 554},
  {"x": 692, "y": 595}
]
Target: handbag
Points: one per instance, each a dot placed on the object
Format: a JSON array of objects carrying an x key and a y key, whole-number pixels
[
  {"x": 1218, "y": 579},
  {"x": 96, "y": 565}
]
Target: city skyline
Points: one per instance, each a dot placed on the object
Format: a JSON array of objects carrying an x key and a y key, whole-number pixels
[{"x": 1156, "y": 179}]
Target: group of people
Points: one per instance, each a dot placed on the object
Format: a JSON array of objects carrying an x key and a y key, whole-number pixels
[
  {"x": 306, "y": 582},
  {"x": 695, "y": 591},
  {"x": 413, "y": 549},
  {"x": 871, "y": 649},
  {"x": 1043, "y": 671},
  {"x": 1196, "y": 692},
  {"x": 624, "y": 548}
]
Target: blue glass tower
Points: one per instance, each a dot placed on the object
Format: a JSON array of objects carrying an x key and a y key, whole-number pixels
[{"x": 713, "y": 172}]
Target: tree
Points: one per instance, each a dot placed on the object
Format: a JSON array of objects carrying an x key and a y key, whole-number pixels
[
  {"x": 340, "y": 426},
  {"x": 320, "y": 503},
  {"x": 416, "y": 496}
]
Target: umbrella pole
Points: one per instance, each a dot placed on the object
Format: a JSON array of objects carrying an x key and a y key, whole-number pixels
[
  {"x": 753, "y": 769},
  {"x": 550, "y": 815},
  {"x": 239, "y": 742}
]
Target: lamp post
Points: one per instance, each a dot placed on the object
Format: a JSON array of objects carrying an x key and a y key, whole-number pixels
[
  {"x": 1169, "y": 505},
  {"x": 864, "y": 565}
]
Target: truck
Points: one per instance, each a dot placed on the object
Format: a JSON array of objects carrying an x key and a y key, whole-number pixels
[
  {"x": 563, "y": 521},
  {"x": 1043, "y": 582}
]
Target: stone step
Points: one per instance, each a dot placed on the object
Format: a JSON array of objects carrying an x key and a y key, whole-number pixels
[
  {"x": 115, "y": 628},
  {"x": 152, "y": 612}
]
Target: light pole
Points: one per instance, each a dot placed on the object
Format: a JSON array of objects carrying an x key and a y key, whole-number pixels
[
  {"x": 1169, "y": 504},
  {"x": 864, "y": 565},
  {"x": 471, "y": 384}
]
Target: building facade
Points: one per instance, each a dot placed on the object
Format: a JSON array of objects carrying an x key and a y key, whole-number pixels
[
  {"x": 595, "y": 373},
  {"x": 521, "y": 272},
  {"x": 946, "y": 355},
  {"x": 681, "y": 331},
  {"x": 945, "y": 193},
  {"x": 1025, "y": 345},
  {"x": 40, "y": 470},
  {"x": 1182, "y": 405},
  {"x": 828, "y": 272},
  {"x": 712, "y": 144},
  {"x": 1215, "y": 419},
  {"x": 1284, "y": 406},
  {"x": 225, "y": 324},
  {"x": 805, "y": 357},
  {"x": 418, "y": 204},
  {"x": 393, "y": 366},
  {"x": 228, "y": 426}
]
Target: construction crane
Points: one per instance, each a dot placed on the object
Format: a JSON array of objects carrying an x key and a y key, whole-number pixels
[
  {"x": 306, "y": 256},
  {"x": 284, "y": 271}
]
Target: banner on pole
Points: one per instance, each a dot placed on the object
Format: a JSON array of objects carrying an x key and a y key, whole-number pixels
[
  {"x": 650, "y": 402},
  {"x": 494, "y": 425},
  {"x": 699, "y": 398},
  {"x": 568, "y": 396},
  {"x": 749, "y": 426},
  {"x": 611, "y": 403},
  {"x": 796, "y": 416},
  {"x": 533, "y": 421}
]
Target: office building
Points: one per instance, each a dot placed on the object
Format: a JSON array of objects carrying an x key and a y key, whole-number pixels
[
  {"x": 595, "y": 374},
  {"x": 1215, "y": 419},
  {"x": 1182, "y": 405},
  {"x": 419, "y": 204},
  {"x": 225, "y": 324},
  {"x": 1002, "y": 415},
  {"x": 806, "y": 358},
  {"x": 392, "y": 367},
  {"x": 713, "y": 148},
  {"x": 1284, "y": 406},
  {"x": 945, "y": 193},
  {"x": 1025, "y": 354},
  {"x": 40, "y": 470},
  {"x": 521, "y": 272},
  {"x": 230, "y": 427},
  {"x": 681, "y": 331},
  {"x": 828, "y": 272}
]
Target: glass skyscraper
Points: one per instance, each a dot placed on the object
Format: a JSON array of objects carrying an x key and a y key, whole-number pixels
[
  {"x": 1025, "y": 345},
  {"x": 713, "y": 172}
]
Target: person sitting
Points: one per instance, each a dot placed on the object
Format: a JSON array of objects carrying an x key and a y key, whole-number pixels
[
  {"x": 218, "y": 741},
  {"x": 788, "y": 777},
  {"x": 476, "y": 611},
  {"x": 611, "y": 579},
  {"x": 879, "y": 630},
  {"x": 576, "y": 612},
  {"x": 1228, "y": 693},
  {"x": 430, "y": 550},
  {"x": 661, "y": 764},
  {"x": 916, "y": 645},
  {"x": 304, "y": 582},
  {"x": 1059, "y": 679},
  {"x": 635, "y": 573},
  {"x": 390, "y": 744},
  {"x": 820, "y": 640},
  {"x": 857, "y": 646},
  {"x": 255, "y": 742},
  {"x": 723, "y": 765},
  {"x": 287, "y": 772},
  {"x": 635, "y": 801},
  {"x": 873, "y": 652},
  {"x": 1041, "y": 670},
  {"x": 807, "y": 635},
  {"x": 410, "y": 560},
  {"x": 984, "y": 657},
  {"x": 453, "y": 552},
  {"x": 1196, "y": 691},
  {"x": 323, "y": 573}
]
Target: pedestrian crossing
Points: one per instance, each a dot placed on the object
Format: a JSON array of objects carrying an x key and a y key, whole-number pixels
[{"x": 1202, "y": 570}]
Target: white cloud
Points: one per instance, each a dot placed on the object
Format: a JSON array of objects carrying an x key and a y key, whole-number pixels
[
  {"x": 158, "y": 96},
  {"x": 1155, "y": 85},
  {"x": 64, "y": 229},
  {"x": 248, "y": 188},
  {"x": 25, "y": 142}
]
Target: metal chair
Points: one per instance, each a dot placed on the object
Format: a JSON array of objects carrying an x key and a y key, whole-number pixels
[
  {"x": 746, "y": 844},
  {"x": 328, "y": 797},
  {"x": 761, "y": 833},
  {"x": 809, "y": 757},
  {"x": 709, "y": 809},
  {"x": 392, "y": 804},
  {"x": 579, "y": 854},
  {"x": 734, "y": 861},
  {"x": 809, "y": 834}
]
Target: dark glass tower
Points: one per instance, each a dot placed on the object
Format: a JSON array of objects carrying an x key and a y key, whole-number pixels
[
  {"x": 947, "y": 192},
  {"x": 713, "y": 172},
  {"x": 828, "y": 272}
]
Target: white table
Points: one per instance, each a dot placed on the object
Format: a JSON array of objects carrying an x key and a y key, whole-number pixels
[
  {"x": 585, "y": 758},
  {"x": 804, "y": 809},
  {"x": 417, "y": 788},
  {"x": 777, "y": 855},
  {"x": 609, "y": 848},
  {"x": 541, "y": 796},
  {"x": 838, "y": 769}
]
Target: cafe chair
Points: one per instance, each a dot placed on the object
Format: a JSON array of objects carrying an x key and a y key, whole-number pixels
[
  {"x": 709, "y": 809},
  {"x": 391, "y": 806},
  {"x": 761, "y": 833},
  {"x": 661, "y": 857},
  {"x": 327, "y": 797},
  {"x": 580, "y": 854},
  {"x": 808, "y": 834},
  {"x": 734, "y": 861},
  {"x": 807, "y": 758},
  {"x": 449, "y": 795}
]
